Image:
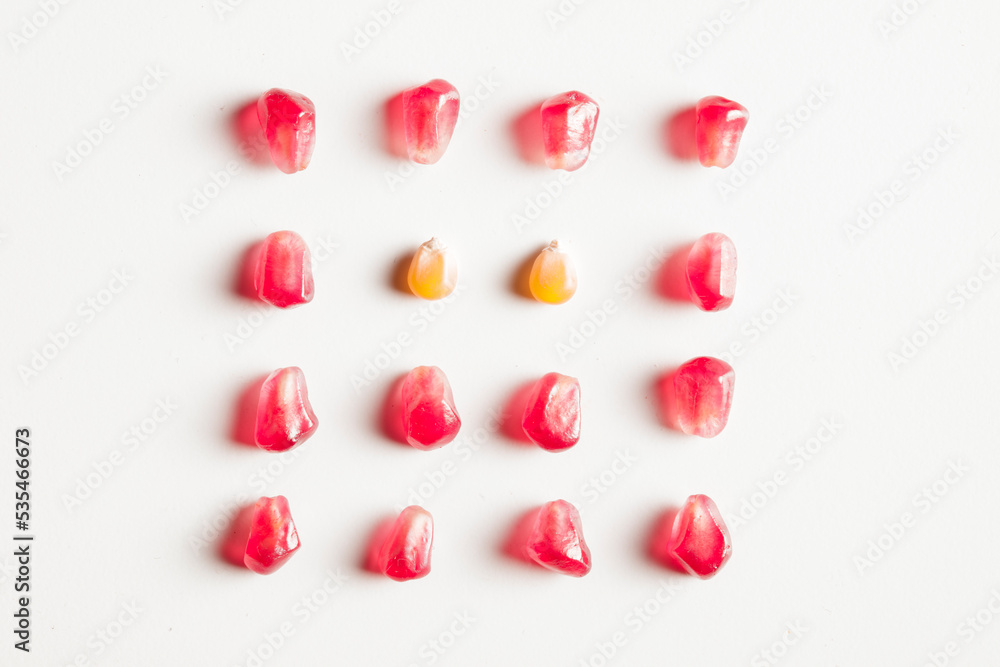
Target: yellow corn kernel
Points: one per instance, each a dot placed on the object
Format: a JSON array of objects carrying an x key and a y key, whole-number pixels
[
  {"x": 553, "y": 276},
  {"x": 433, "y": 271}
]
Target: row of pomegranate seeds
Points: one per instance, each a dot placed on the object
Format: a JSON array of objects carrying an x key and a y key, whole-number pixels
[
  {"x": 421, "y": 121},
  {"x": 703, "y": 272},
  {"x": 694, "y": 398},
  {"x": 693, "y": 540}
]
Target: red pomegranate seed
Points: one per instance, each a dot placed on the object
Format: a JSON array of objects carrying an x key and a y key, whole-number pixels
[
  {"x": 697, "y": 541},
  {"x": 406, "y": 552},
  {"x": 289, "y": 123},
  {"x": 552, "y": 414},
  {"x": 719, "y": 125},
  {"x": 569, "y": 121},
  {"x": 430, "y": 112},
  {"x": 283, "y": 276},
  {"x": 556, "y": 540},
  {"x": 273, "y": 538},
  {"x": 284, "y": 416},
  {"x": 430, "y": 419},
  {"x": 696, "y": 398},
  {"x": 711, "y": 272}
]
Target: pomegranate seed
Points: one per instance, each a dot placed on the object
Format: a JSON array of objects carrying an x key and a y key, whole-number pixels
[
  {"x": 273, "y": 538},
  {"x": 284, "y": 416},
  {"x": 289, "y": 123},
  {"x": 696, "y": 397},
  {"x": 433, "y": 271},
  {"x": 553, "y": 276},
  {"x": 719, "y": 125},
  {"x": 556, "y": 540},
  {"x": 711, "y": 272},
  {"x": 430, "y": 419},
  {"x": 696, "y": 541},
  {"x": 552, "y": 414},
  {"x": 568, "y": 124},
  {"x": 283, "y": 276},
  {"x": 430, "y": 112},
  {"x": 406, "y": 552}
]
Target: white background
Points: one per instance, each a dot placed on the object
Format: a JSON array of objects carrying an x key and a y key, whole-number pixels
[{"x": 886, "y": 97}]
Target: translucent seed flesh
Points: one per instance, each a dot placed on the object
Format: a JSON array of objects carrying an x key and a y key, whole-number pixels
[
  {"x": 697, "y": 541},
  {"x": 285, "y": 417},
  {"x": 697, "y": 396},
  {"x": 406, "y": 553},
  {"x": 553, "y": 276},
  {"x": 430, "y": 113},
  {"x": 433, "y": 271},
  {"x": 552, "y": 414},
  {"x": 273, "y": 538},
  {"x": 430, "y": 419},
  {"x": 289, "y": 123},
  {"x": 556, "y": 540},
  {"x": 283, "y": 275},
  {"x": 711, "y": 272},
  {"x": 719, "y": 125},
  {"x": 569, "y": 121}
]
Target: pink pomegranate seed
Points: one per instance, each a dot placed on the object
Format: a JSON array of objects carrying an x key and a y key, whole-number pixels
[
  {"x": 406, "y": 552},
  {"x": 283, "y": 277},
  {"x": 556, "y": 540},
  {"x": 697, "y": 541},
  {"x": 696, "y": 398},
  {"x": 711, "y": 272},
  {"x": 552, "y": 414},
  {"x": 719, "y": 125},
  {"x": 430, "y": 419},
  {"x": 284, "y": 416},
  {"x": 289, "y": 123},
  {"x": 430, "y": 112},
  {"x": 273, "y": 538},
  {"x": 569, "y": 121}
]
